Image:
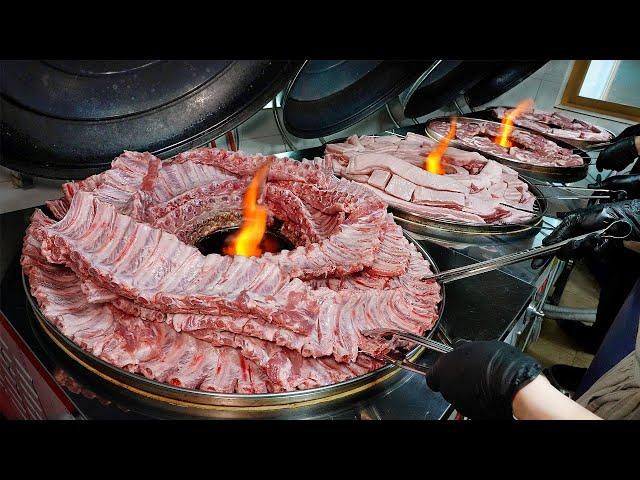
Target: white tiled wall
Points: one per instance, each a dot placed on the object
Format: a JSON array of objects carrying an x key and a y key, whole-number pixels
[
  {"x": 545, "y": 87},
  {"x": 260, "y": 134}
]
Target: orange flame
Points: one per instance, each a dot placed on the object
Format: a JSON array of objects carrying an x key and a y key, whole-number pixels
[
  {"x": 254, "y": 219},
  {"x": 507, "y": 123},
  {"x": 433, "y": 163}
]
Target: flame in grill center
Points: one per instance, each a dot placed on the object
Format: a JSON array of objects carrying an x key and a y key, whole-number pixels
[
  {"x": 433, "y": 162},
  {"x": 246, "y": 241},
  {"x": 507, "y": 123}
]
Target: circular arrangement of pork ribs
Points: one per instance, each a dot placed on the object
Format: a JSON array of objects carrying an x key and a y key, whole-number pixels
[{"x": 117, "y": 273}]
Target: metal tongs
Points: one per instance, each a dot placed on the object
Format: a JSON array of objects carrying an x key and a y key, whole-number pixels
[
  {"x": 496, "y": 263},
  {"x": 400, "y": 360}
]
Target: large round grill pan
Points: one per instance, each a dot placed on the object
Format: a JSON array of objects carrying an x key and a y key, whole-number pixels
[
  {"x": 188, "y": 398},
  {"x": 427, "y": 226},
  {"x": 565, "y": 174}
]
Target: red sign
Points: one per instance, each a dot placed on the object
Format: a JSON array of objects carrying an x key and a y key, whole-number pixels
[{"x": 27, "y": 390}]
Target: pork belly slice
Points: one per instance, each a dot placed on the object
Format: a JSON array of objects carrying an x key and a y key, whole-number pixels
[
  {"x": 379, "y": 178},
  {"x": 532, "y": 125},
  {"x": 420, "y": 139},
  {"x": 426, "y": 210},
  {"x": 366, "y": 163},
  {"x": 356, "y": 178},
  {"x": 400, "y": 188},
  {"x": 473, "y": 162},
  {"x": 512, "y": 195},
  {"x": 426, "y": 196},
  {"x": 484, "y": 144},
  {"x": 489, "y": 210}
]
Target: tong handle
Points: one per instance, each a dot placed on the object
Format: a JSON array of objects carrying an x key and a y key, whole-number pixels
[
  {"x": 499, "y": 262},
  {"x": 399, "y": 359},
  {"x": 425, "y": 342},
  {"x": 402, "y": 362}
]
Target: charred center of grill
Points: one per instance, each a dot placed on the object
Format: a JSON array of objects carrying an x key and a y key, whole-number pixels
[{"x": 215, "y": 242}]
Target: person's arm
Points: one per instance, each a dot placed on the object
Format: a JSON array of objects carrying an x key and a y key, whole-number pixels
[
  {"x": 539, "y": 400},
  {"x": 494, "y": 380},
  {"x": 591, "y": 219}
]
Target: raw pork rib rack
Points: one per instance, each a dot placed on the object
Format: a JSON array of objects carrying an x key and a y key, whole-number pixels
[{"x": 117, "y": 273}]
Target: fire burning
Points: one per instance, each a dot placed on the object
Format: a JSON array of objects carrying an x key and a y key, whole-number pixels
[
  {"x": 432, "y": 163},
  {"x": 507, "y": 123},
  {"x": 254, "y": 219}
]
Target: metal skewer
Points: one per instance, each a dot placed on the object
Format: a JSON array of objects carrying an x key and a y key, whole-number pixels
[
  {"x": 585, "y": 189},
  {"x": 569, "y": 187},
  {"x": 539, "y": 227},
  {"x": 496, "y": 263},
  {"x": 394, "y": 133},
  {"x": 576, "y": 197},
  {"x": 517, "y": 208}
]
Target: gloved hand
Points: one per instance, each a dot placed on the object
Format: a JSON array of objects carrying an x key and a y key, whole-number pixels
[
  {"x": 618, "y": 156},
  {"x": 588, "y": 220},
  {"x": 628, "y": 186},
  {"x": 481, "y": 378}
]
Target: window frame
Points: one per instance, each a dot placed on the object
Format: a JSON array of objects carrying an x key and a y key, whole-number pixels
[{"x": 571, "y": 96}]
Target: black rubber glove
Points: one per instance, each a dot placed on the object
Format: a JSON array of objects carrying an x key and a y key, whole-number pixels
[
  {"x": 631, "y": 131},
  {"x": 481, "y": 378},
  {"x": 588, "y": 220},
  {"x": 617, "y": 156},
  {"x": 628, "y": 186}
]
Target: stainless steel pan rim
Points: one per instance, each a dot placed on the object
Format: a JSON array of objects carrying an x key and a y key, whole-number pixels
[
  {"x": 189, "y": 398},
  {"x": 573, "y": 172},
  {"x": 420, "y": 224}
]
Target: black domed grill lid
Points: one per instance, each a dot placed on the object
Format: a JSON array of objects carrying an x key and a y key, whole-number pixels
[
  {"x": 69, "y": 119},
  {"x": 328, "y": 96},
  {"x": 479, "y": 81},
  {"x": 504, "y": 76},
  {"x": 442, "y": 84},
  {"x": 91, "y": 90}
]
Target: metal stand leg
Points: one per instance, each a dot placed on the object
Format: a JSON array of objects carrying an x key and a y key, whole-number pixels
[
  {"x": 561, "y": 283},
  {"x": 231, "y": 141},
  {"x": 283, "y": 134}
]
